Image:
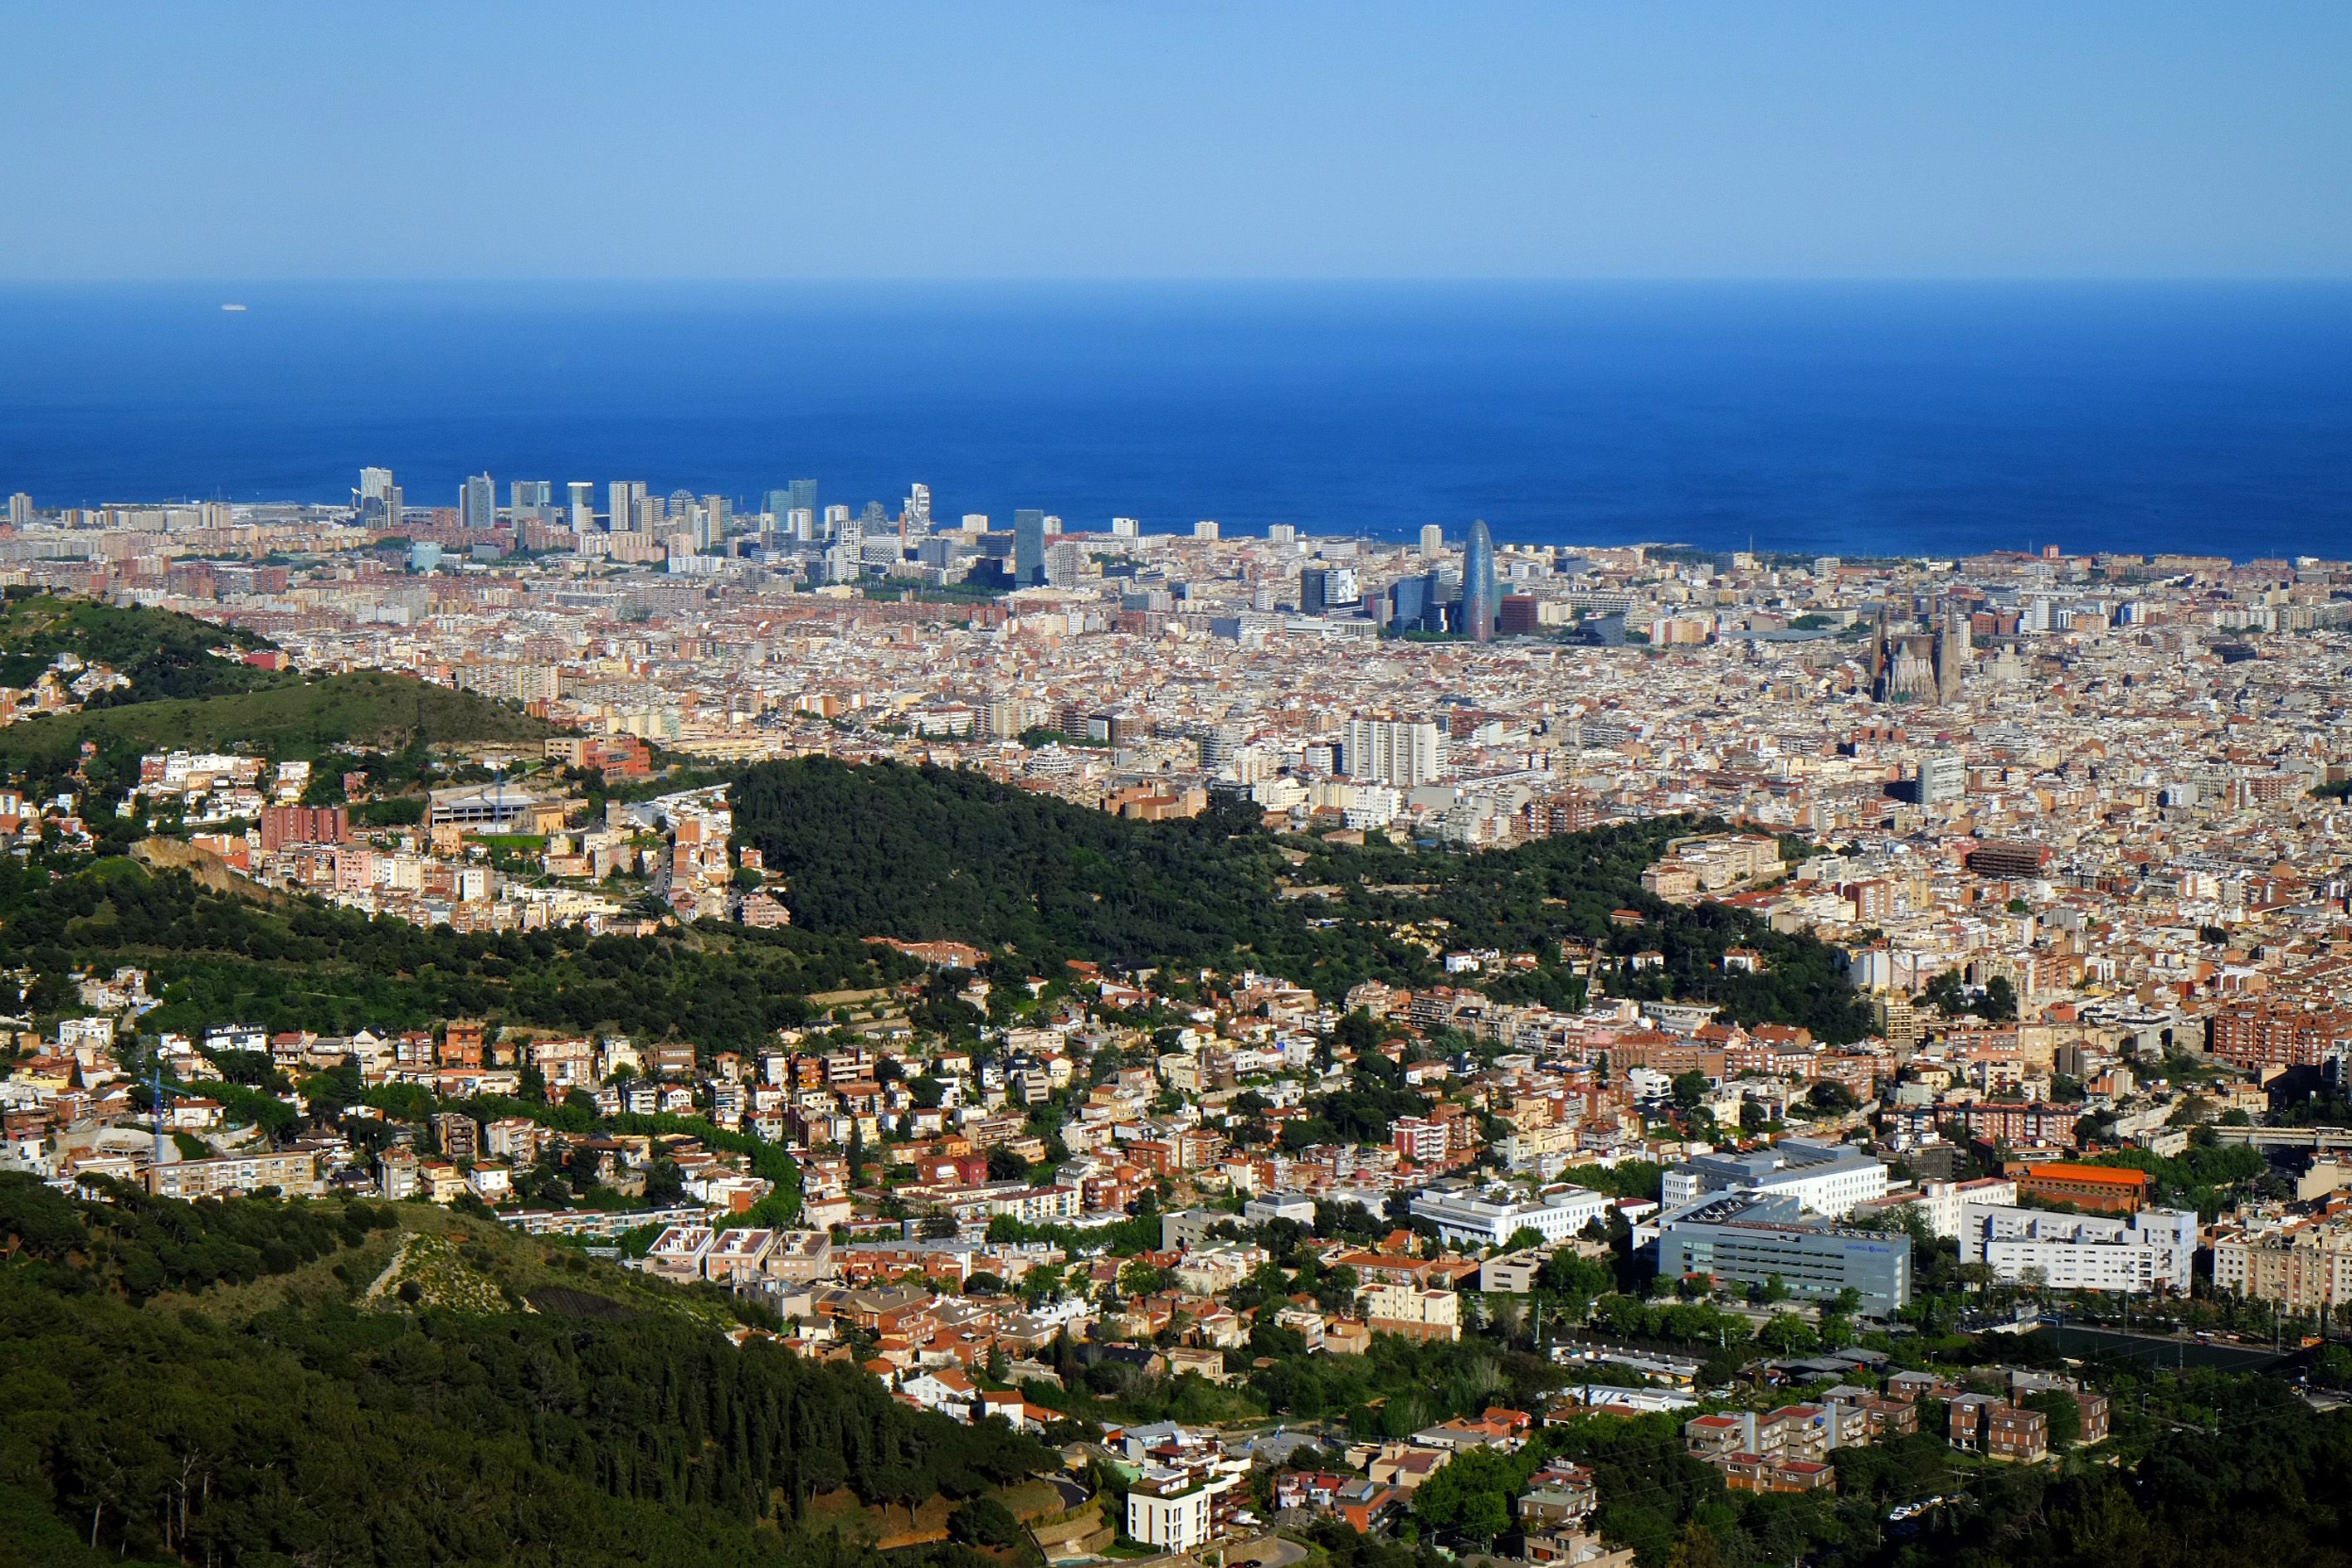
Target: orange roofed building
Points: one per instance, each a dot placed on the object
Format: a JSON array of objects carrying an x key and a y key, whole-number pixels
[{"x": 2095, "y": 1189}]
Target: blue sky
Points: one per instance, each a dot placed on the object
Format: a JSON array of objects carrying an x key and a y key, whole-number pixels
[{"x": 1096, "y": 139}]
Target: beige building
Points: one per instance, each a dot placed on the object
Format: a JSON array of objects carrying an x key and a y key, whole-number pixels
[
  {"x": 1413, "y": 1313},
  {"x": 2304, "y": 1268},
  {"x": 296, "y": 1175}
]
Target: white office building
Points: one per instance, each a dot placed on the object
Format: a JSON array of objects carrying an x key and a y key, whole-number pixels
[
  {"x": 1824, "y": 1178},
  {"x": 2151, "y": 1251},
  {"x": 1473, "y": 1216}
]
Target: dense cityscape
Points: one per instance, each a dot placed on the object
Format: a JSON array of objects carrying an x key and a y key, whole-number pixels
[{"x": 1295, "y": 1046}]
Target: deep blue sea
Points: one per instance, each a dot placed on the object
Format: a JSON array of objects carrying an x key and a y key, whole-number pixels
[{"x": 1830, "y": 417}]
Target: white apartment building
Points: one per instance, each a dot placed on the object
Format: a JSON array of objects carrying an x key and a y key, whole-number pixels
[
  {"x": 1473, "y": 1216},
  {"x": 2151, "y": 1251},
  {"x": 1398, "y": 752},
  {"x": 1824, "y": 1178},
  {"x": 1169, "y": 1510}
]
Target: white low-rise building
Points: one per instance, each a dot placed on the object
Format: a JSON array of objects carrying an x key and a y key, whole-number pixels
[
  {"x": 2151, "y": 1251},
  {"x": 1944, "y": 1204},
  {"x": 1170, "y": 1509},
  {"x": 1824, "y": 1178},
  {"x": 1473, "y": 1216},
  {"x": 1297, "y": 1208}
]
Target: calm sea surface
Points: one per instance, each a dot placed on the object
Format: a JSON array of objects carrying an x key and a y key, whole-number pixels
[{"x": 1849, "y": 418}]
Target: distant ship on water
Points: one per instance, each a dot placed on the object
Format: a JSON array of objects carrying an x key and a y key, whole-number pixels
[{"x": 232, "y": 307}]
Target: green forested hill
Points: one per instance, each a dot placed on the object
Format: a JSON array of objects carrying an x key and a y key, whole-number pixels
[
  {"x": 218, "y": 959},
  {"x": 184, "y": 694},
  {"x": 895, "y": 851},
  {"x": 883, "y": 849},
  {"x": 922, "y": 853},
  {"x": 289, "y": 715},
  {"x": 325, "y": 1432},
  {"x": 163, "y": 654}
]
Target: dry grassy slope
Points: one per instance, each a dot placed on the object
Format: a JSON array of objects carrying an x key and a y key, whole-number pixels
[
  {"x": 464, "y": 1262},
  {"x": 209, "y": 870},
  {"x": 894, "y": 1526}
]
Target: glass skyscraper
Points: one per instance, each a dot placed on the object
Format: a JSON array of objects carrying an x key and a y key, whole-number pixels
[
  {"x": 1481, "y": 599},
  {"x": 1028, "y": 546}
]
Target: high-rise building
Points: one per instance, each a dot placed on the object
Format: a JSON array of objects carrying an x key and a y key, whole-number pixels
[
  {"x": 801, "y": 523},
  {"x": 844, "y": 556},
  {"x": 624, "y": 495},
  {"x": 803, "y": 493},
  {"x": 20, "y": 510},
  {"x": 477, "y": 503},
  {"x": 778, "y": 505},
  {"x": 1481, "y": 598},
  {"x": 717, "y": 511},
  {"x": 584, "y": 506},
  {"x": 1433, "y": 541},
  {"x": 918, "y": 512},
  {"x": 1408, "y": 597},
  {"x": 1126, "y": 528},
  {"x": 1400, "y": 752},
  {"x": 373, "y": 500},
  {"x": 529, "y": 495},
  {"x": 1943, "y": 777},
  {"x": 1206, "y": 529},
  {"x": 1282, "y": 533},
  {"x": 1314, "y": 590},
  {"x": 1028, "y": 546}
]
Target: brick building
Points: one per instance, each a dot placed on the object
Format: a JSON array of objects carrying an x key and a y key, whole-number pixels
[
  {"x": 2253, "y": 1034},
  {"x": 285, "y": 825},
  {"x": 2097, "y": 1189}
]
